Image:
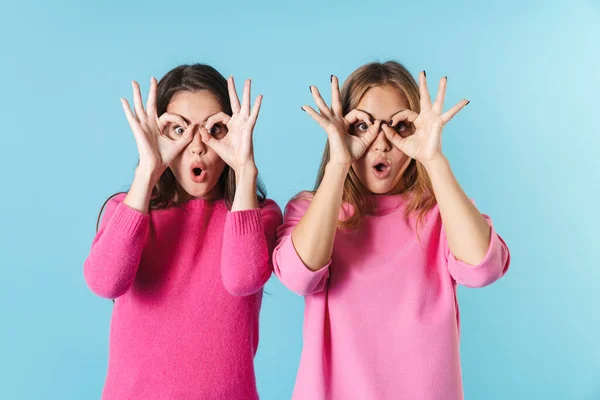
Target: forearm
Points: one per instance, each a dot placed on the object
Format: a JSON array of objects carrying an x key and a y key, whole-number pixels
[
  {"x": 245, "y": 189},
  {"x": 314, "y": 235},
  {"x": 138, "y": 196},
  {"x": 467, "y": 232}
]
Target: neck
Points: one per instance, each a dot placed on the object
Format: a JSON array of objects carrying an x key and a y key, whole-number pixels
[{"x": 214, "y": 194}]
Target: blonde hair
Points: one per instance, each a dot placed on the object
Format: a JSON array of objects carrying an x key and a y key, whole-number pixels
[{"x": 417, "y": 186}]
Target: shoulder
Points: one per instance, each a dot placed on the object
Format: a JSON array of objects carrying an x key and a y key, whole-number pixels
[
  {"x": 300, "y": 202},
  {"x": 269, "y": 209},
  {"x": 113, "y": 201}
]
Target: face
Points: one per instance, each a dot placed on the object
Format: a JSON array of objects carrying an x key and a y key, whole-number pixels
[
  {"x": 381, "y": 168},
  {"x": 197, "y": 168}
]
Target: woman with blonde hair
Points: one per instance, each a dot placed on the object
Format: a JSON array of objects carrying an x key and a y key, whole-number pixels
[{"x": 378, "y": 247}]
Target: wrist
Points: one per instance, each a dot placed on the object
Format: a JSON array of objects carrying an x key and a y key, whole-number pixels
[
  {"x": 146, "y": 177},
  {"x": 249, "y": 168},
  {"x": 246, "y": 172},
  {"x": 341, "y": 168},
  {"x": 435, "y": 162}
]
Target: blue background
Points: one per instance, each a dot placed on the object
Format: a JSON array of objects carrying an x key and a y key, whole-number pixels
[{"x": 526, "y": 149}]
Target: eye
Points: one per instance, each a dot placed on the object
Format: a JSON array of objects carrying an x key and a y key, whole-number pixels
[
  {"x": 361, "y": 127},
  {"x": 178, "y": 129},
  {"x": 402, "y": 128},
  {"x": 215, "y": 129}
]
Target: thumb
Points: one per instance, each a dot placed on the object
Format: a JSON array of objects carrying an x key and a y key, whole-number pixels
[
  {"x": 373, "y": 131},
  {"x": 185, "y": 139},
  {"x": 393, "y": 136},
  {"x": 210, "y": 141}
]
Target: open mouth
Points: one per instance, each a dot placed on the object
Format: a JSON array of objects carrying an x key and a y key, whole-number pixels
[
  {"x": 381, "y": 169},
  {"x": 197, "y": 172}
]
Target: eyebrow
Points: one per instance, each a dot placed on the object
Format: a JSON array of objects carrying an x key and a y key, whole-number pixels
[{"x": 391, "y": 118}]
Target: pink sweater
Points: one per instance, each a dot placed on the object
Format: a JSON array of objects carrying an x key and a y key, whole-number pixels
[
  {"x": 188, "y": 287},
  {"x": 381, "y": 319}
]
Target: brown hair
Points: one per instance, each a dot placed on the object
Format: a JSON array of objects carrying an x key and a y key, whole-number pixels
[
  {"x": 416, "y": 184},
  {"x": 191, "y": 78}
]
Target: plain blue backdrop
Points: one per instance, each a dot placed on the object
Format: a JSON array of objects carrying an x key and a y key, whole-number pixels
[{"x": 526, "y": 149}]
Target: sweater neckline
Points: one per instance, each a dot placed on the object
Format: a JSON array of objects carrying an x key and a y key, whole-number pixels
[
  {"x": 203, "y": 203},
  {"x": 381, "y": 204}
]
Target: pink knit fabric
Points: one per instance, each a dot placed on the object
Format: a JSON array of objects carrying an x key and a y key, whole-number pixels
[
  {"x": 188, "y": 287},
  {"x": 381, "y": 319}
]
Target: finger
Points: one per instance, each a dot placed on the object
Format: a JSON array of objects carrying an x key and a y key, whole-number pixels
[
  {"x": 325, "y": 111},
  {"x": 393, "y": 136},
  {"x": 438, "y": 104},
  {"x": 167, "y": 118},
  {"x": 209, "y": 140},
  {"x": 151, "y": 102},
  {"x": 358, "y": 115},
  {"x": 315, "y": 115},
  {"x": 373, "y": 131},
  {"x": 448, "y": 115},
  {"x": 215, "y": 119},
  {"x": 185, "y": 138},
  {"x": 404, "y": 115},
  {"x": 134, "y": 124},
  {"x": 256, "y": 108},
  {"x": 233, "y": 96},
  {"x": 127, "y": 108},
  {"x": 336, "y": 102},
  {"x": 424, "y": 92},
  {"x": 246, "y": 98},
  {"x": 137, "y": 101}
]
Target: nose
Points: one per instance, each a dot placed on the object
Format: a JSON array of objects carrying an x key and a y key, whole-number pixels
[
  {"x": 381, "y": 142},
  {"x": 197, "y": 146}
]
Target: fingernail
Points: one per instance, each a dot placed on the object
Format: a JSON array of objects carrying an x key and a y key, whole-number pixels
[
  {"x": 310, "y": 88},
  {"x": 424, "y": 73},
  {"x": 468, "y": 101},
  {"x": 331, "y": 78},
  {"x": 446, "y": 78},
  {"x": 302, "y": 108}
]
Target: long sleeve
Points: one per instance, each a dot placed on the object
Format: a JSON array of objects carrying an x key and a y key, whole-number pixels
[
  {"x": 248, "y": 241},
  {"x": 490, "y": 269},
  {"x": 287, "y": 264},
  {"x": 112, "y": 264}
]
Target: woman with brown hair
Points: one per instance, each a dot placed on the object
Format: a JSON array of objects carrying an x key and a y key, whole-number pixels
[
  {"x": 186, "y": 251},
  {"x": 379, "y": 246}
]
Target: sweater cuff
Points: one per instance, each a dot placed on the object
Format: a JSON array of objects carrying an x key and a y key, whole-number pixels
[
  {"x": 244, "y": 222},
  {"x": 297, "y": 276},
  {"x": 128, "y": 220},
  {"x": 494, "y": 248},
  {"x": 490, "y": 269}
]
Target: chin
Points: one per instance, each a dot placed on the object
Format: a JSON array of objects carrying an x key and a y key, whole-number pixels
[
  {"x": 379, "y": 188},
  {"x": 385, "y": 186}
]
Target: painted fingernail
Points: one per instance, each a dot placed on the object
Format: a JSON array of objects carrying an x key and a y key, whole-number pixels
[
  {"x": 331, "y": 78},
  {"x": 310, "y": 88},
  {"x": 468, "y": 101},
  {"x": 302, "y": 108},
  {"x": 424, "y": 73},
  {"x": 446, "y": 78}
]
